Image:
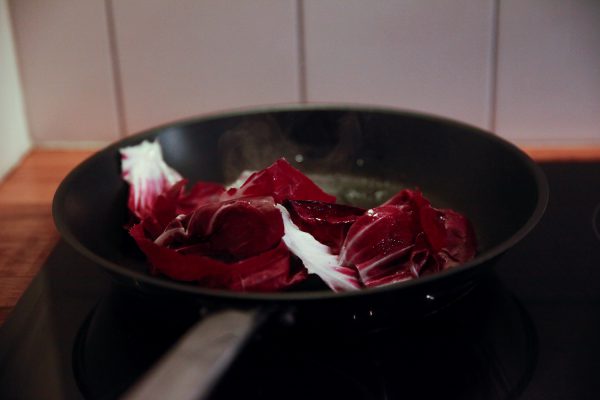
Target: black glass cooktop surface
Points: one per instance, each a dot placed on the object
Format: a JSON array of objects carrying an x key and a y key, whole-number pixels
[{"x": 530, "y": 329}]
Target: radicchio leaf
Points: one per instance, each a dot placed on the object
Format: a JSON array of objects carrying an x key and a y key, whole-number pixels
[
  {"x": 379, "y": 244},
  {"x": 317, "y": 257},
  {"x": 283, "y": 182},
  {"x": 267, "y": 271},
  {"x": 406, "y": 238},
  {"x": 199, "y": 194},
  {"x": 449, "y": 233},
  {"x": 233, "y": 229},
  {"x": 157, "y": 192},
  {"x": 327, "y": 222},
  {"x": 148, "y": 176}
]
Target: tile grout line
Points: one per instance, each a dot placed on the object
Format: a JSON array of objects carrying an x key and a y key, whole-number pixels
[
  {"x": 492, "y": 100},
  {"x": 301, "y": 44},
  {"x": 116, "y": 70}
]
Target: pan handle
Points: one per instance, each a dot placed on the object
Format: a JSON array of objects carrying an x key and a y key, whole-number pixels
[{"x": 195, "y": 364}]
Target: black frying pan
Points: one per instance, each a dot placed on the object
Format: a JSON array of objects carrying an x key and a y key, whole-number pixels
[{"x": 362, "y": 155}]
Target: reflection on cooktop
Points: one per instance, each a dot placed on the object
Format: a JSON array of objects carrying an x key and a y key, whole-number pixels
[
  {"x": 487, "y": 350},
  {"x": 596, "y": 221}
]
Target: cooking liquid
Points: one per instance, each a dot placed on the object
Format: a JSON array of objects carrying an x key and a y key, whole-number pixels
[{"x": 365, "y": 192}]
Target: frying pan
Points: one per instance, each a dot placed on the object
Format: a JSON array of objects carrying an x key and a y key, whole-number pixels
[{"x": 362, "y": 155}]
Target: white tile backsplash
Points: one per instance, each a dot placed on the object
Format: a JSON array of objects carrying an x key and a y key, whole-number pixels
[
  {"x": 183, "y": 58},
  {"x": 65, "y": 64},
  {"x": 548, "y": 88},
  {"x": 14, "y": 136},
  {"x": 431, "y": 56},
  {"x": 91, "y": 69}
]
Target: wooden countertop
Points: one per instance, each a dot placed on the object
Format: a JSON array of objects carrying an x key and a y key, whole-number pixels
[{"x": 27, "y": 232}]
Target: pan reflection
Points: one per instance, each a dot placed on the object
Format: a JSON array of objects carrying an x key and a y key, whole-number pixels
[{"x": 481, "y": 346}]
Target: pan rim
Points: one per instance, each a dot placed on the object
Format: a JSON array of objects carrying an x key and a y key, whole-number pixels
[{"x": 301, "y": 296}]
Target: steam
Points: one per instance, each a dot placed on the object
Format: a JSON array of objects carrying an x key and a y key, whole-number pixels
[{"x": 315, "y": 143}]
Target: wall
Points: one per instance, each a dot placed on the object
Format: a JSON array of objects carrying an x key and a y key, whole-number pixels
[
  {"x": 96, "y": 70},
  {"x": 14, "y": 138}
]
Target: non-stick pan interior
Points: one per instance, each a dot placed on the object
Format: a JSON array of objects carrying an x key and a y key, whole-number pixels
[{"x": 362, "y": 155}]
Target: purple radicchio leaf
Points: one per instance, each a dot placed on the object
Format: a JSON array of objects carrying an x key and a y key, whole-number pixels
[
  {"x": 148, "y": 176},
  {"x": 317, "y": 257}
]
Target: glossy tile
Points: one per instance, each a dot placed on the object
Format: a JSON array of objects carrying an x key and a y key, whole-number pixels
[
  {"x": 185, "y": 58},
  {"x": 432, "y": 56},
  {"x": 549, "y": 72},
  {"x": 14, "y": 135},
  {"x": 65, "y": 64}
]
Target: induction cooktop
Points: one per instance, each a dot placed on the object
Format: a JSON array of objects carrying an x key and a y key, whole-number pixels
[{"x": 529, "y": 329}]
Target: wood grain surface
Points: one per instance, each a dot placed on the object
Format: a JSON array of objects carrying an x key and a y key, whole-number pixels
[{"x": 27, "y": 232}]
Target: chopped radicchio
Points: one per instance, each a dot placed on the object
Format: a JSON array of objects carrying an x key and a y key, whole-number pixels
[
  {"x": 267, "y": 271},
  {"x": 378, "y": 240},
  {"x": 406, "y": 238},
  {"x": 317, "y": 257},
  {"x": 246, "y": 236},
  {"x": 215, "y": 230},
  {"x": 327, "y": 222},
  {"x": 283, "y": 182},
  {"x": 148, "y": 176}
]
